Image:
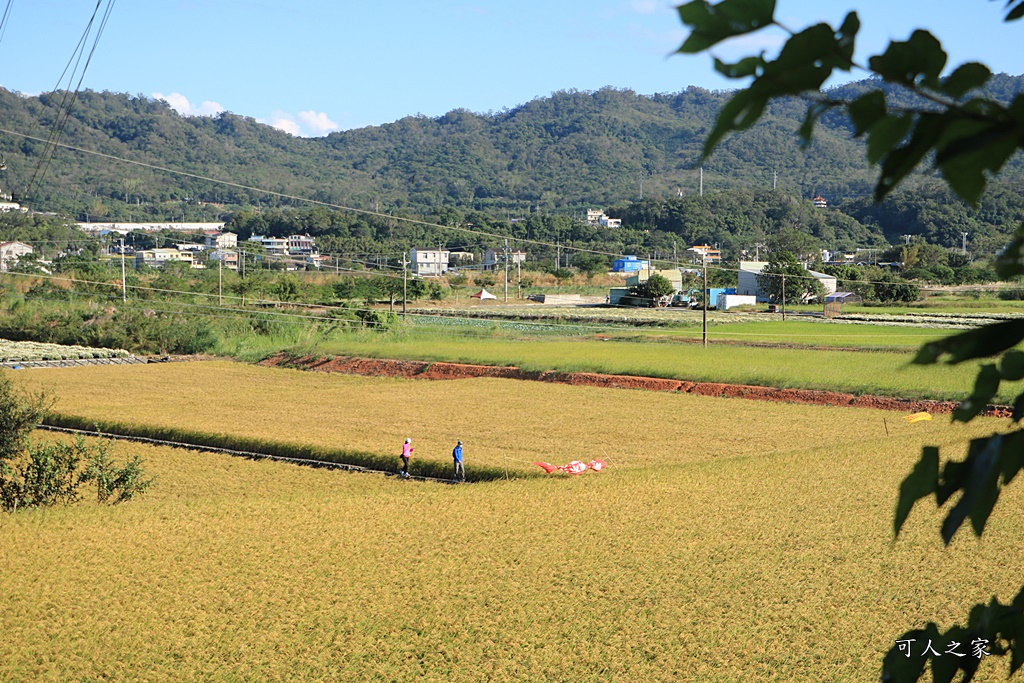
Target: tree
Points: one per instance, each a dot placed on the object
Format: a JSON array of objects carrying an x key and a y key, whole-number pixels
[
  {"x": 590, "y": 264},
  {"x": 787, "y": 281},
  {"x": 654, "y": 288},
  {"x": 948, "y": 121}
]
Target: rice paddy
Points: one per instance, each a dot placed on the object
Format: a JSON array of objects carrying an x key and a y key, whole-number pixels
[
  {"x": 729, "y": 541},
  {"x": 887, "y": 373}
]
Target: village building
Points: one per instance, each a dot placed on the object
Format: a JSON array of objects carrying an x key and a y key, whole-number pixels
[
  {"x": 629, "y": 264},
  {"x": 221, "y": 240},
  {"x": 429, "y": 261},
  {"x": 494, "y": 258},
  {"x": 11, "y": 252}
]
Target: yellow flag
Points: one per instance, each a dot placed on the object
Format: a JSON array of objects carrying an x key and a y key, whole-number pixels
[{"x": 917, "y": 417}]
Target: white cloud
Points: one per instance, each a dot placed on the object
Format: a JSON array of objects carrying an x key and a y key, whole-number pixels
[
  {"x": 180, "y": 104},
  {"x": 317, "y": 123},
  {"x": 306, "y": 124}
]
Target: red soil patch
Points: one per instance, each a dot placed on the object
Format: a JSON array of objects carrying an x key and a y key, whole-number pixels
[{"x": 385, "y": 367}]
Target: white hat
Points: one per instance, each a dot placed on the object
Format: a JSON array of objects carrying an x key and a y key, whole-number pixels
[{"x": 408, "y": 440}]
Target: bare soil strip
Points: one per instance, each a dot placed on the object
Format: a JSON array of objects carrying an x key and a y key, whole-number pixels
[{"x": 386, "y": 367}]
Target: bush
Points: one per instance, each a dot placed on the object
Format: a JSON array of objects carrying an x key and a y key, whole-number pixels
[
  {"x": 45, "y": 474},
  {"x": 126, "y": 482}
]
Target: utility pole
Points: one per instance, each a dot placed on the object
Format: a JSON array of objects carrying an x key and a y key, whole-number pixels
[
  {"x": 220, "y": 279},
  {"x": 558, "y": 257},
  {"x": 775, "y": 180},
  {"x": 783, "y": 296},
  {"x": 701, "y": 181},
  {"x": 519, "y": 279},
  {"x": 963, "y": 249},
  {"x": 704, "y": 315},
  {"x": 124, "y": 286},
  {"x": 506, "y": 271},
  {"x": 405, "y": 281},
  {"x": 675, "y": 261}
]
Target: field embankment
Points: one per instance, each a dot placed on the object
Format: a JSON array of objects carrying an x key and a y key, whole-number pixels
[{"x": 384, "y": 367}]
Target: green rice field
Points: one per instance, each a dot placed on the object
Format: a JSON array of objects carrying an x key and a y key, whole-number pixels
[{"x": 888, "y": 373}]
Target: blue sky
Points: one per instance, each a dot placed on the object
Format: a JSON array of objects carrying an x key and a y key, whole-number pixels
[{"x": 313, "y": 66}]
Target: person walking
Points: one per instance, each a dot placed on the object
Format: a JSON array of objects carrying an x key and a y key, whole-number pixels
[
  {"x": 460, "y": 469},
  {"x": 407, "y": 450}
]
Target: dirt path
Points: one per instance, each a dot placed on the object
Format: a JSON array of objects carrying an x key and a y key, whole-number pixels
[{"x": 385, "y": 367}]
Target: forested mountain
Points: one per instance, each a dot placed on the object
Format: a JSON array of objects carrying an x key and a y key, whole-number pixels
[
  {"x": 559, "y": 153},
  {"x": 544, "y": 161}
]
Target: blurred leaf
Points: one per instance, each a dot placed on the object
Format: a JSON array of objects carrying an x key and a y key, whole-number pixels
[
  {"x": 921, "y": 482},
  {"x": 917, "y": 61},
  {"x": 804, "y": 63},
  {"x": 1014, "y": 12},
  {"x": 1018, "y": 408},
  {"x": 1011, "y": 461},
  {"x": 972, "y": 149},
  {"x": 1011, "y": 261},
  {"x": 867, "y": 110},
  {"x": 965, "y": 78},
  {"x": 814, "y": 112},
  {"x": 712, "y": 24},
  {"x": 902, "y": 161},
  {"x": 946, "y": 666},
  {"x": 979, "y": 480},
  {"x": 749, "y": 66},
  {"x": 982, "y": 342},
  {"x": 1011, "y": 366},
  {"x": 986, "y": 385},
  {"x": 886, "y": 134},
  {"x": 898, "y": 667}
]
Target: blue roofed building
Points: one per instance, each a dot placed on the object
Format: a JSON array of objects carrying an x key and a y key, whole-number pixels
[{"x": 629, "y": 264}]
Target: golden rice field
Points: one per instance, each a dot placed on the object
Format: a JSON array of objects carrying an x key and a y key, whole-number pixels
[{"x": 731, "y": 541}]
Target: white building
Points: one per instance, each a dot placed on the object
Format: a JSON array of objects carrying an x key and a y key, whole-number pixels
[
  {"x": 429, "y": 261},
  {"x": 597, "y": 217},
  {"x": 301, "y": 245},
  {"x": 747, "y": 282},
  {"x": 227, "y": 257},
  {"x": 125, "y": 228},
  {"x": 156, "y": 258},
  {"x": 10, "y": 252},
  {"x": 222, "y": 240},
  {"x": 274, "y": 246},
  {"x": 493, "y": 258}
]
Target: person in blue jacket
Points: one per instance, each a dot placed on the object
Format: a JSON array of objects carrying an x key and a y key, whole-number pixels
[{"x": 460, "y": 469}]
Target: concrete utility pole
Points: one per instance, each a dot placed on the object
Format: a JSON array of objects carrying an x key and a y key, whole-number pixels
[
  {"x": 963, "y": 249},
  {"x": 220, "y": 279},
  {"x": 775, "y": 179},
  {"x": 701, "y": 181},
  {"x": 124, "y": 286},
  {"x": 405, "y": 281},
  {"x": 506, "y": 270},
  {"x": 519, "y": 279},
  {"x": 704, "y": 317},
  {"x": 783, "y": 296}
]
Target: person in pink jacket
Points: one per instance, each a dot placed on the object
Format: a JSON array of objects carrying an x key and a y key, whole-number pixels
[{"x": 407, "y": 450}]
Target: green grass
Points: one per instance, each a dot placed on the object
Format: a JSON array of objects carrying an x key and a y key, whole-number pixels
[
  {"x": 883, "y": 373},
  {"x": 800, "y": 333}
]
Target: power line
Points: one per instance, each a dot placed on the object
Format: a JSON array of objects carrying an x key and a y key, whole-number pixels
[
  {"x": 3, "y": 20},
  {"x": 64, "y": 112}
]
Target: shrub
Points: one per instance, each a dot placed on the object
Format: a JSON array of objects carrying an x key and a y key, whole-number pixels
[{"x": 126, "y": 482}]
